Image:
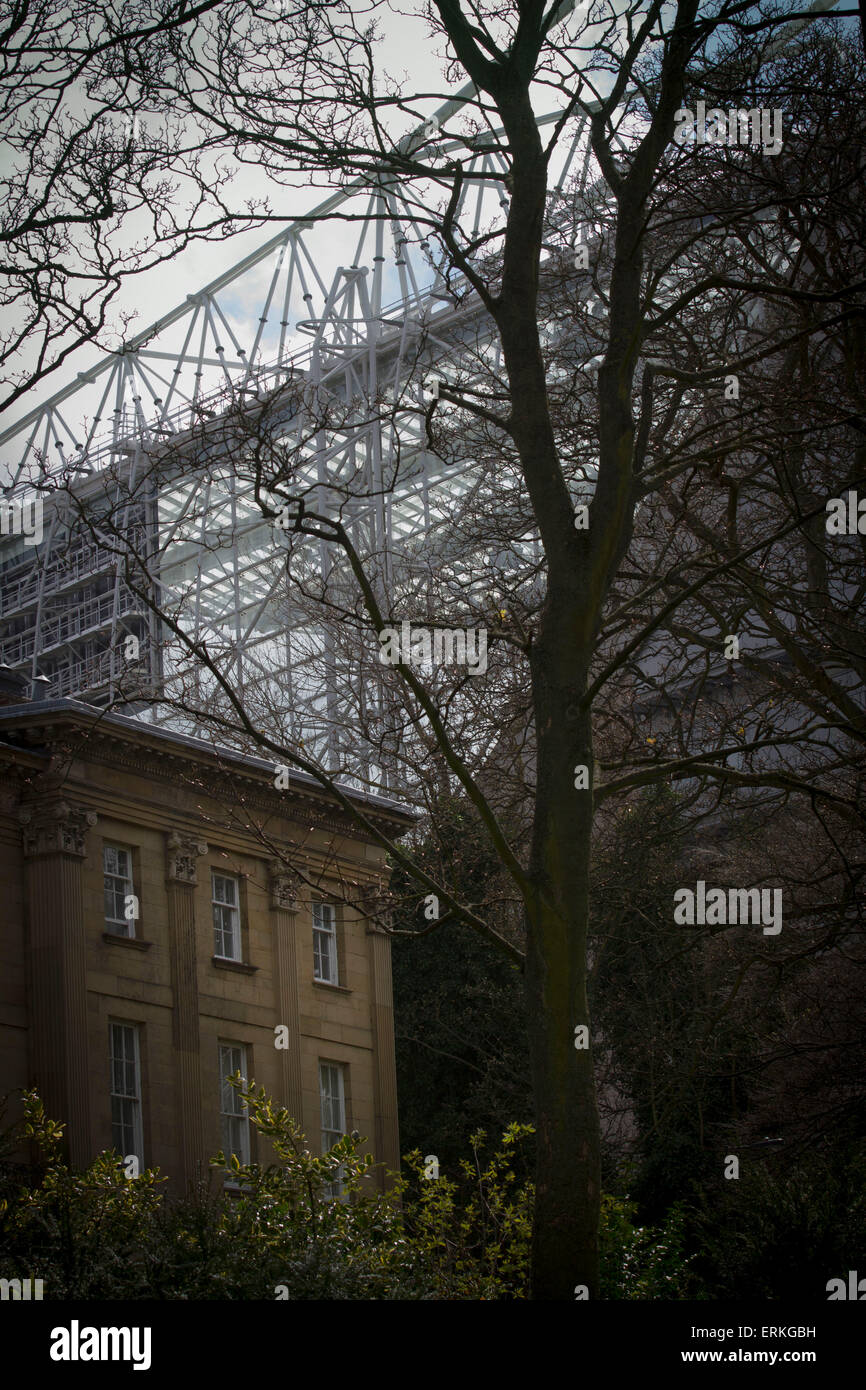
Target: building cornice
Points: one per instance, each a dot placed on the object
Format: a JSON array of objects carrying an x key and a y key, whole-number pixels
[
  {"x": 121, "y": 742},
  {"x": 32, "y": 778}
]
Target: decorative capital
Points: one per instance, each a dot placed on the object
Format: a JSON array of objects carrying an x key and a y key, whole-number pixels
[
  {"x": 181, "y": 852},
  {"x": 55, "y": 828},
  {"x": 284, "y": 884}
]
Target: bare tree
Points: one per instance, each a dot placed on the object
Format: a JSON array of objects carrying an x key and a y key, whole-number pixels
[
  {"x": 97, "y": 185},
  {"x": 583, "y": 483}
]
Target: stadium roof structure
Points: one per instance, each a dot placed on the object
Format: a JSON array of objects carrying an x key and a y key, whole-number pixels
[{"x": 307, "y": 329}]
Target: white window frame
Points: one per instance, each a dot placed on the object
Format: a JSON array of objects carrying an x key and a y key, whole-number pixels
[
  {"x": 222, "y": 911},
  {"x": 118, "y": 926},
  {"x": 332, "y": 1093},
  {"x": 124, "y": 1079},
  {"x": 234, "y": 1115},
  {"x": 326, "y": 965}
]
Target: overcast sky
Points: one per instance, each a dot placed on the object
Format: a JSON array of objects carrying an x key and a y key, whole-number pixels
[{"x": 408, "y": 53}]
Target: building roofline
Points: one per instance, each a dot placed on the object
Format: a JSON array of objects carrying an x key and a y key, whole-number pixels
[{"x": 59, "y": 712}]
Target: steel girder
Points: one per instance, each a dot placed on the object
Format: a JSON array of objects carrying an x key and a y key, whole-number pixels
[
  {"x": 151, "y": 432},
  {"x": 287, "y": 327}
]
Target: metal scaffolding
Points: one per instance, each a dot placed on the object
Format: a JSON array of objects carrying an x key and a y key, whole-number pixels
[
  {"x": 286, "y": 335},
  {"x": 330, "y": 358}
]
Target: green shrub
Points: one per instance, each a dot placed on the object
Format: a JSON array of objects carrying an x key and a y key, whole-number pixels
[
  {"x": 644, "y": 1262},
  {"x": 475, "y": 1232},
  {"x": 784, "y": 1234},
  {"x": 97, "y": 1234}
]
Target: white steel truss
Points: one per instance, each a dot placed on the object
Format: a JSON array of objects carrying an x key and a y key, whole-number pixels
[{"x": 317, "y": 338}]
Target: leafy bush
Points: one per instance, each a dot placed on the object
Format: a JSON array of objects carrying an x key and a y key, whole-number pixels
[
  {"x": 784, "y": 1234},
  {"x": 97, "y": 1234},
  {"x": 476, "y": 1233},
  {"x": 644, "y": 1262},
  {"x": 79, "y": 1231}
]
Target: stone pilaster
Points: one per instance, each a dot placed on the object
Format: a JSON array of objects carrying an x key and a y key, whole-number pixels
[
  {"x": 181, "y": 880},
  {"x": 284, "y": 886},
  {"x": 55, "y": 844}
]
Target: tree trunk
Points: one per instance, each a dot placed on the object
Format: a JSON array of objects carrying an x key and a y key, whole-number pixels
[{"x": 568, "y": 1165}]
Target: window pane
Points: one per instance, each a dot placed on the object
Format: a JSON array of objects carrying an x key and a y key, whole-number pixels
[
  {"x": 325, "y": 944},
  {"x": 117, "y": 887},
  {"x": 125, "y": 1083},
  {"x": 333, "y": 1107},
  {"x": 332, "y": 1099},
  {"x": 234, "y": 1118},
  {"x": 225, "y": 890},
  {"x": 226, "y": 917}
]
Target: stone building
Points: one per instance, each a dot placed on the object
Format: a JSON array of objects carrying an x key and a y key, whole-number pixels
[{"x": 170, "y": 917}]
